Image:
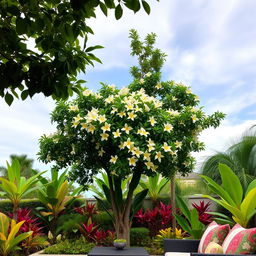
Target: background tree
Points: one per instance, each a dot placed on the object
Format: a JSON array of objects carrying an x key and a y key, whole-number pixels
[
  {"x": 240, "y": 157},
  {"x": 26, "y": 166},
  {"x": 146, "y": 128},
  {"x": 43, "y": 44}
]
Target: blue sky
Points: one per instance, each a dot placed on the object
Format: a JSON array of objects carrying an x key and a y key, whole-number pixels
[{"x": 211, "y": 46}]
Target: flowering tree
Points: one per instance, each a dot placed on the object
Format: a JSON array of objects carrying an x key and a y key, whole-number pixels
[{"x": 146, "y": 128}]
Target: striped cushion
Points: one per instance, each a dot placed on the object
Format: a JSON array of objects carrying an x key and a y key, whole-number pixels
[
  {"x": 240, "y": 241},
  {"x": 214, "y": 233}
]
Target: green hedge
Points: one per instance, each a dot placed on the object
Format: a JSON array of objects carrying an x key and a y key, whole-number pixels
[
  {"x": 104, "y": 221},
  {"x": 139, "y": 237},
  {"x": 6, "y": 205}
]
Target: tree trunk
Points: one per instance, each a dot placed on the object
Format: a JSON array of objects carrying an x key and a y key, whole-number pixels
[
  {"x": 122, "y": 210},
  {"x": 122, "y": 228},
  {"x": 173, "y": 202}
]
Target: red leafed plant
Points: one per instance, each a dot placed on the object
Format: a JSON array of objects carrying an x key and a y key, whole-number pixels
[
  {"x": 156, "y": 219},
  {"x": 90, "y": 230},
  {"x": 202, "y": 209},
  {"x": 37, "y": 240},
  {"x": 88, "y": 210}
]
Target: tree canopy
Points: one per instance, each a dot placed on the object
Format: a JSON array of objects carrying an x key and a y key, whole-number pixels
[
  {"x": 149, "y": 126},
  {"x": 43, "y": 44},
  {"x": 146, "y": 128}
]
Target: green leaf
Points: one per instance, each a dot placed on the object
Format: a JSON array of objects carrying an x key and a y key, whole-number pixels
[
  {"x": 183, "y": 207},
  {"x": 110, "y": 4},
  {"x": 231, "y": 183},
  {"x": 104, "y": 8},
  {"x": 146, "y": 7},
  {"x": 251, "y": 186},
  {"x": 183, "y": 223},
  {"x": 137, "y": 201},
  {"x": 89, "y": 49},
  {"x": 8, "y": 98},
  {"x": 21, "y": 26},
  {"x": 249, "y": 204},
  {"x": 118, "y": 12},
  {"x": 24, "y": 94}
]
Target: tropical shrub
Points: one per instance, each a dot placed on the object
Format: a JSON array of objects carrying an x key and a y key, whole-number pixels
[
  {"x": 140, "y": 236},
  {"x": 158, "y": 218},
  {"x": 189, "y": 222},
  {"x": 55, "y": 196},
  {"x": 169, "y": 233},
  {"x": 37, "y": 240},
  {"x": 15, "y": 187},
  {"x": 202, "y": 209},
  {"x": 155, "y": 185},
  {"x": 240, "y": 203},
  {"x": 9, "y": 237}
]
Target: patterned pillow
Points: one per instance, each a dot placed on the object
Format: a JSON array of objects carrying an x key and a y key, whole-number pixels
[
  {"x": 214, "y": 233},
  {"x": 214, "y": 248},
  {"x": 240, "y": 241}
]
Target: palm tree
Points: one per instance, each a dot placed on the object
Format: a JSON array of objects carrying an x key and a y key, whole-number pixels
[
  {"x": 240, "y": 157},
  {"x": 25, "y": 163}
]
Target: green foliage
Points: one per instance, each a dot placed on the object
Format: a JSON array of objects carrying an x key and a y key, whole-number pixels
[
  {"x": 54, "y": 194},
  {"x": 155, "y": 185},
  {"x": 58, "y": 55},
  {"x": 9, "y": 237},
  {"x": 190, "y": 222},
  {"x": 6, "y": 205},
  {"x": 139, "y": 236},
  {"x": 240, "y": 157},
  {"x": 104, "y": 221},
  {"x": 241, "y": 203},
  {"x": 74, "y": 246},
  {"x": 15, "y": 187}
]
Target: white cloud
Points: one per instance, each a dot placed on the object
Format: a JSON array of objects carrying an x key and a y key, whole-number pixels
[{"x": 221, "y": 138}]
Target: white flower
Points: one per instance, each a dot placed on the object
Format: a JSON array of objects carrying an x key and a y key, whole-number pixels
[
  {"x": 168, "y": 127},
  {"x": 113, "y": 159},
  {"x": 148, "y": 74},
  {"x": 178, "y": 144},
  {"x": 112, "y": 86},
  {"x": 158, "y": 86},
  {"x": 91, "y": 129},
  {"x": 158, "y": 156},
  {"x": 123, "y": 91},
  {"x": 129, "y": 144},
  {"x": 106, "y": 127},
  {"x": 126, "y": 128},
  {"x": 109, "y": 99},
  {"x": 87, "y": 92},
  {"x": 117, "y": 133},
  {"x": 121, "y": 114},
  {"x": 102, "y": 118},
  {"x": 194, "y": 118},
  {"x": 73, "y": 108},
  {"x": 152, "y": 121},
  {"x": 146, "y": 156},
  {"x": 142, "y": 81},
  {"x": 104, "y": 136},
  {"x": 131, "y": 115},
  {"x": 142, "y": 132},
  {"x": 132, "y": 161},
  {"x": 166, "y": 147}
]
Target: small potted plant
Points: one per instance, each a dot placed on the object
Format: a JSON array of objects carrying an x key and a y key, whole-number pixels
[{"x": 120, "y": 244}]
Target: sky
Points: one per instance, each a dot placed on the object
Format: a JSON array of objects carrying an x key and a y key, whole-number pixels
[{"x": 211, "y": 46}]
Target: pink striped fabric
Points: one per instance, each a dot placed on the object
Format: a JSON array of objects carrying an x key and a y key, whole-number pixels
[
  {"x": 214, "y": 233},
  {"x": 240, "y": 241}
]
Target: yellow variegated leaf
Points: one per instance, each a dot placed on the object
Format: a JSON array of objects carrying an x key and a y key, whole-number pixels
[
  {"x": 14, "y": 231},
  {"x": 46, "y": 213},
  {"x": 63, "y": 191},
  {"x": 4, "y": 224},
  {"x": 2, "y": 237},
  {"x": 249, "y": 204}
]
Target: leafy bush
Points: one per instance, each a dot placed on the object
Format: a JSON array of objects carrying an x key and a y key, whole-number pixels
[
  {"x": 75, "y": 246},
  {"x": 139, "y": 236},
  {"x": 158, "y": 218},
  {"x": 103, "y": 220}
]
